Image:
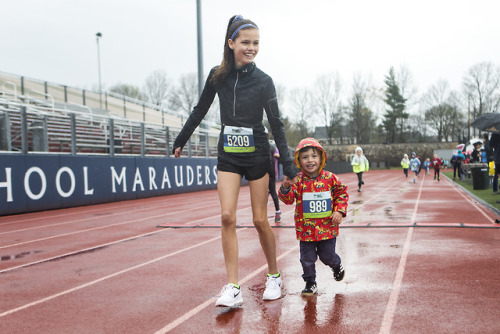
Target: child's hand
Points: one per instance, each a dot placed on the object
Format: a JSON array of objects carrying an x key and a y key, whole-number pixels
[
  {"x": 287, "y": 182},
  {"x": 336, "y": 218}
]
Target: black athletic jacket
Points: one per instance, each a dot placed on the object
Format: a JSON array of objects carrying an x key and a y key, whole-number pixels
[{"x": 243, "y": 95}]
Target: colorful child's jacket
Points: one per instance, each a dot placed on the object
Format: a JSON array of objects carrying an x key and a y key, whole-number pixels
[
  {"x": 359, "y": 163},
  {"x": 415, "y": 164},
  {"x": 316, "y": 200},
  {"x": 436, "y": 163},
  {"x": 405, "y": 162}
]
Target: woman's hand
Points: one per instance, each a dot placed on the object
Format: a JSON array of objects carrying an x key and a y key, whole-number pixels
[{"x": 178, "y": 152}]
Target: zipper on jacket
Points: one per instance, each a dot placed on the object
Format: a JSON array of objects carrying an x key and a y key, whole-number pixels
[{"x": 234, "y": 101}]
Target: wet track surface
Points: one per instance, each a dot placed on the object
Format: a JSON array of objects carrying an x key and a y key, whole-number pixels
[{"x": 419, "y": 258}]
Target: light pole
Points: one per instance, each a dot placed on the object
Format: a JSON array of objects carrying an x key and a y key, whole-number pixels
[
  {"x": 200, "y": 47},
  {"x": 468, "y": 121},
  {"x": 200, "y": 53},
  {"x": 99, "y": 35}
]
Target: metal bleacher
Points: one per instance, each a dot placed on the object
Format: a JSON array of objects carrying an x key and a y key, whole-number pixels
[{"x": 41, "y": 117}]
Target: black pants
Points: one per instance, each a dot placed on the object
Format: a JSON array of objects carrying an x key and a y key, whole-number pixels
[
  {"x": 405, "y": 170},
  {"x": 457, "y": 169},
  {"x": 309, "y": 253},
  {"x": 272, "y": 187},
  {"x": 436, "y": 173},
  {"x": 360, "y": 179}
]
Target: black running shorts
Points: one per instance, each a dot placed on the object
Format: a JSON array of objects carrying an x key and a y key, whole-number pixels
[{"x": 250, "y": 173}]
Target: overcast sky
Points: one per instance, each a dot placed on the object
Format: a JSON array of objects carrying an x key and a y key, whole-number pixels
[{"x": 54, "y": 40}]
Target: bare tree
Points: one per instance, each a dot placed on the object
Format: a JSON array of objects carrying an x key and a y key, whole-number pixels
[
  {"x": 185, "y": 96},
  {"x": 157, "y": 87},
  {"x": 417, "y": 127},
  {"x": 327, "y": 96},
  {"x": 280, "y": 93},
  {"x": 213, "y": 114},
  {"x": 404, "y": 78},
  {"x": 442, "y": 112},
  {"x": 127, "y": 90},
  {"x": 375, "y": 100},
  {"x": 361, "y": 117},
  {"x": 482, "y": 86},
  {"x": 302, "y": 107}
]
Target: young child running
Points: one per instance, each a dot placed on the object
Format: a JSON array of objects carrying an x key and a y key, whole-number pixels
[
  {"x": 427, "y": 166},
  {"x": 321, "y": 204},
  {"x": 415, "y": 165},
  {"x": 359, "y": 165},
  {"x": 245, "y": 92},
  {"x": 405, "y": 163},
  {"x": 436, "y": 163}
]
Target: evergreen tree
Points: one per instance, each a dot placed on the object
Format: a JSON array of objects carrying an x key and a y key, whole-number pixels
[{"x": 396, "y": 109}]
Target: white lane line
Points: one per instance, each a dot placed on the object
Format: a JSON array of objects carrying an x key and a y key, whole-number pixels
[
  {"x": 211, "y": 301},
  {"x": 95, "y": 208},
  {"x": 100, "y": 218},
  {"x": 81, "y": 231},
  {"x": 62, "y": 293},
  {"x": 66, "y": 212},
  {"x": 81, "y": 251},
  {"x": 390, "y": 309},
  {"x": 96, "y": 247},
  {"x": 97, "y": 228}
]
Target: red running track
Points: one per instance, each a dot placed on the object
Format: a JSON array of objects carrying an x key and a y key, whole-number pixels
[{"x": 419, "y": 258}]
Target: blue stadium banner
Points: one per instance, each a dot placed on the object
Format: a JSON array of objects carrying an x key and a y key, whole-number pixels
[{"x": 36, "y": 182}]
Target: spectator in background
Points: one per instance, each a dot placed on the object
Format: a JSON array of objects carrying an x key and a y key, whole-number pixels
[
  {"x": 445, "y": 164},
  {"x": 476, "y": 153},
  {"x": 274, "y": 155},
  {"x": 495, "y": 145},
  {"x": 487, "y": 148},
  {"x": 489, "y": 159},
  {"x": 456, "y": 161}
]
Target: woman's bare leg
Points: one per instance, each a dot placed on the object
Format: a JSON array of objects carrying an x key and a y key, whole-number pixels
[
  {"x": 228, "y": 187},
  {"x": 258, "y": 196}
]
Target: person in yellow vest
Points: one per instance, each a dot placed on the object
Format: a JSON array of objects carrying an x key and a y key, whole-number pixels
[
  {"x": 405, "y": 163},
  {"x": 359, "y": 165}
]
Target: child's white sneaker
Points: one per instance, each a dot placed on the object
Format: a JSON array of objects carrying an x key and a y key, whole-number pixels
[
  {"x": 273, "y": 288},
  {"x": 229, "y": 296}
]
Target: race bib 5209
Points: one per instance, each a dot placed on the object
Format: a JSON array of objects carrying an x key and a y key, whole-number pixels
[{"x": 238, "y": 139}]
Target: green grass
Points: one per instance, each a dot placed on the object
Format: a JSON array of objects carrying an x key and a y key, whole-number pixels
[{"x": 486, "y": 194}]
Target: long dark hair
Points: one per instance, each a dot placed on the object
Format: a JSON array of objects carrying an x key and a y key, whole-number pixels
[{"x": 227, "y": 63}]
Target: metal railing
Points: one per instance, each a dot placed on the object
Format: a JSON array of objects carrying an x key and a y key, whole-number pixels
[
  {"x": 27, "y": 126},
  {"x": 19, "y": 86}
]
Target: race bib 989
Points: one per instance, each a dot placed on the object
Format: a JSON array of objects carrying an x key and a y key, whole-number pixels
[{"x": 317, "y": 205}]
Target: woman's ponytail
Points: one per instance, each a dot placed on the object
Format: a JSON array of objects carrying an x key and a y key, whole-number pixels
[{"x": 235, "y": 25}]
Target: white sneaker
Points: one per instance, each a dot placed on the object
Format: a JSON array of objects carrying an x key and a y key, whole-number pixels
[
  {"x": 273, "y": 288},
  {"x": 229, "y": 296}
]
